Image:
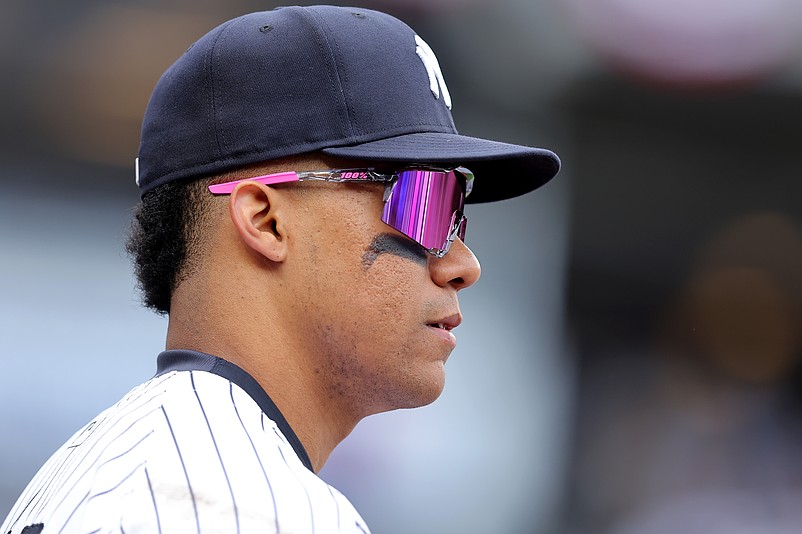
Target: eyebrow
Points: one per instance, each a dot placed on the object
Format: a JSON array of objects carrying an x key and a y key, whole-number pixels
[{"x": 397, "y": 245}]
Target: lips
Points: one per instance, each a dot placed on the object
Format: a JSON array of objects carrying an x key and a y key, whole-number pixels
[{"x": 447, "y": 323}]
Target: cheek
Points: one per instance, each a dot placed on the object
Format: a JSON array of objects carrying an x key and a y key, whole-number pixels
[
  {"x": 392, "y": 294},
  {"x": 372, "y": 305},
  {"x": 375, "y": 350},
  {"x": 385, "y": 297}
]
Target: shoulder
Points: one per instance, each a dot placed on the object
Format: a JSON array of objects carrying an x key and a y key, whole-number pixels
[
  {"x": 185, "y": 451},
  {"x": 233, "y": 455}
]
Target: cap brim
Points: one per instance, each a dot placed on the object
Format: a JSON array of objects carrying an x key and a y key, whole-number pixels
[{"x": 502, "y": 170}]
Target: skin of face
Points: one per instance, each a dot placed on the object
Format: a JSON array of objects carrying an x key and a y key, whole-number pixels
[
  {"x": 369, "y": 322},
  {"x": 330, "y": 310}
]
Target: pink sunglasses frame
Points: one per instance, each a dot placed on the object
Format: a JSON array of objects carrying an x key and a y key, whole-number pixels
[{"x": 430, "y": 188}]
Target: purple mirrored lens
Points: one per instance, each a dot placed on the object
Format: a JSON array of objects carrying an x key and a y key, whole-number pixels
[
  {"x": 461, "y": 233},
  {"x": 422, "y": 206}
]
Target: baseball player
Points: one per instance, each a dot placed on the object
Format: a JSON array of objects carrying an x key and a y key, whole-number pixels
[{"x": 302, "y": 224}]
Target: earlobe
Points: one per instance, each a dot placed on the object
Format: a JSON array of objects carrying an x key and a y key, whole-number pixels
[{"x": 255, "y": 211}]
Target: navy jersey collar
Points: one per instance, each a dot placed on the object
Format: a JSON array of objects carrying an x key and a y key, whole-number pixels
[{"x": 190, "y": 360}]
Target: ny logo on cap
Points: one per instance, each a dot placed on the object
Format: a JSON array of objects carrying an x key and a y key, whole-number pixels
[{"x": 436, "y": 81}]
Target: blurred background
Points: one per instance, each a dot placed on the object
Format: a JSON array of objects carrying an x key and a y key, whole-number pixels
[{"x": 630, "y": 360}]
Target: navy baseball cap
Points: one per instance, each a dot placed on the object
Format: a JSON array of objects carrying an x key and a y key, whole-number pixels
[{"x": 347, "y": 82}]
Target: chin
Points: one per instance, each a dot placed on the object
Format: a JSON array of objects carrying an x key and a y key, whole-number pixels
[{"x": 423, "y": 390}]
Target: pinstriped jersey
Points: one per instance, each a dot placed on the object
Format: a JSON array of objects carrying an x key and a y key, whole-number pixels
[{"x": 198, "y": 448}]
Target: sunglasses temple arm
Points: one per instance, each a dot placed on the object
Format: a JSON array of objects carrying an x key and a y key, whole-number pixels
[{"x": 270, "y": 179}]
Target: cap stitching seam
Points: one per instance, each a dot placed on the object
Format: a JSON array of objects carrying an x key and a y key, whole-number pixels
[
  {"x": 209, "y": 108},
  {"x": 215, "y": 92},
  {"x": 325, "y": 46}
]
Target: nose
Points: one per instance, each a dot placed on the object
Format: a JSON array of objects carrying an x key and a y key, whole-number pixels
[{"x": 459, "y": 268}]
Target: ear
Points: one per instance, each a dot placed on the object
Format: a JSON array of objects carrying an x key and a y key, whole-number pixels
[{"x": 258, "y": 215}]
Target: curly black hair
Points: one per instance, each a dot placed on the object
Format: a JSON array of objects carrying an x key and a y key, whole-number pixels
[{"x": 166, "y": 234}]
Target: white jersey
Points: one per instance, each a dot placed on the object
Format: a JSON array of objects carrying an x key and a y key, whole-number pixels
[{"x": 198, "y": 448}]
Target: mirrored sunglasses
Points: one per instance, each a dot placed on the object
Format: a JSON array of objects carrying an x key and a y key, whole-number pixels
[{"x": 424, "y": 203}]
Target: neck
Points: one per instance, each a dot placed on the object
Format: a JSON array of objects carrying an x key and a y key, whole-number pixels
[{"x": 279, "y": 362}]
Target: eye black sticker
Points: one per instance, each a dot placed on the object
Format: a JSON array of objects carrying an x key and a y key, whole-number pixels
[{"x": 397, "y": 245}]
